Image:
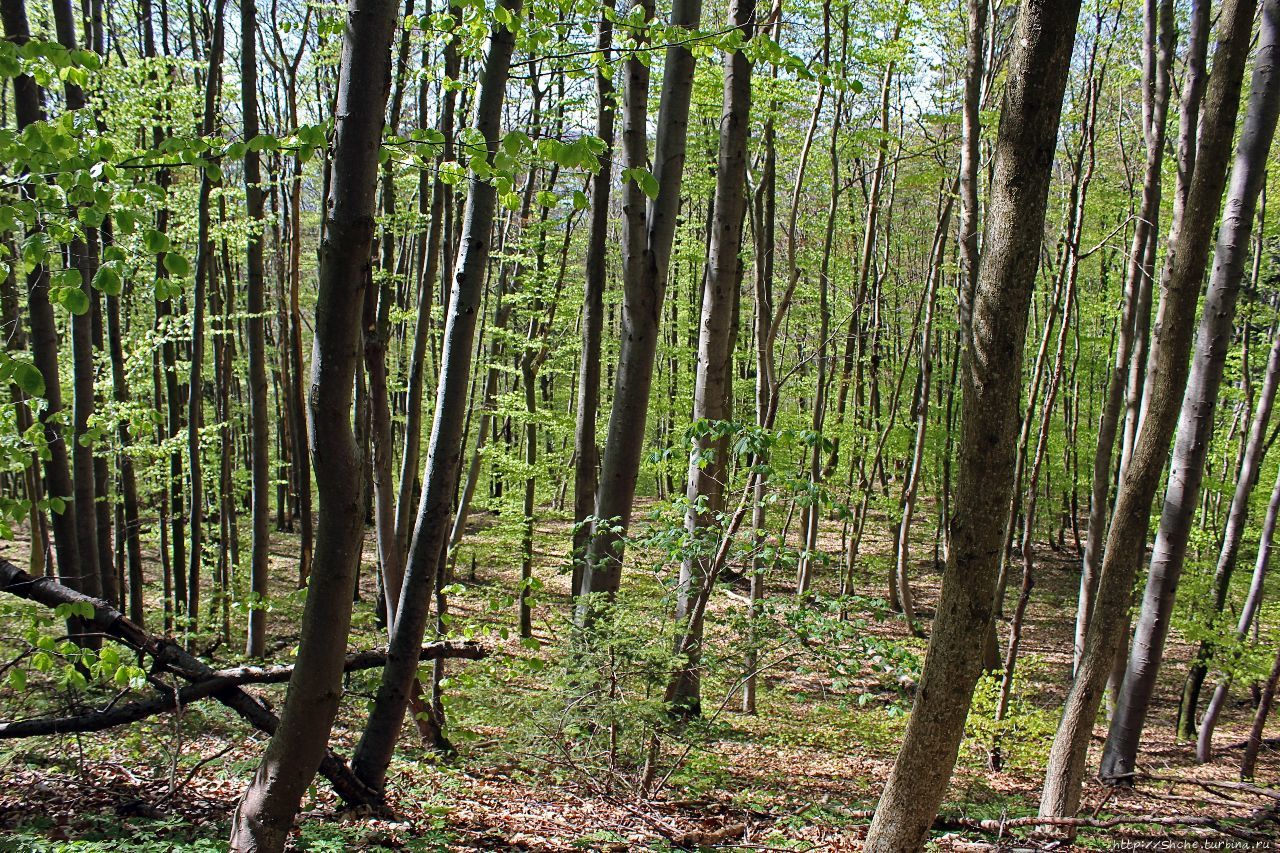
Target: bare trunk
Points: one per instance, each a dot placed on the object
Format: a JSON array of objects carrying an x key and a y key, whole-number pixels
[
  {"x": 1199, "y": 403},
  {"x": 1043, "y": 39},
  {"x": 648, "y": 234},
  {"x": 445, "y": 447},
  {"x": 267, "y": 809},
  {"x": 1167, "y": 371}
]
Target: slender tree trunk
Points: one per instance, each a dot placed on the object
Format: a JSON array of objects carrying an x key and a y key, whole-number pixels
[
  {"x": 708, "y": 465},
  {"x": 266, "y": 811},
  {"x": 992, "y": 371},
  {"x": 1156, "y": 63},
  {"x": 430, "y": 535},
  {"x": 1199, "y": 403},
  {"x": 260, "y": 445},
  {"x": 1233, "y": 535},
  {"x": 586, "y": 448},
  {"x": 648, "y": 233},
  {"x": 1204, "y": 745},
  {"x": 204, "y": 260},
  {"x": 1250, "y": 758},
  {"x": 1167, "y": 371},
  {"x": 28, "y": 109}
]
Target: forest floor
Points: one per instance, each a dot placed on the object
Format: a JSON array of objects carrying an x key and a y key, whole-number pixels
[{"x": 801, "y": 774}]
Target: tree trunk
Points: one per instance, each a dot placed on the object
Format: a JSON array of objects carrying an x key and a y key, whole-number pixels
[
  {"x": 1204, "y": 745},
  {"x": 260, "y": 447},
  {"x": 648, "y": 232},
  {"x": 382, "y": 729},
  {"x": 266, "y": 811},
  {"x": 1233, "y": 535},
  {"x": 708, "y": 465},
  {"x": 586, "y": 448},
  {"x": 1199, "y": 403},
  {"x": 28, "y": 109},
  {"x": 1167, "y": 377},
  {"x": 1156, "y": 64},
  {"x": 992, "y": 371}
]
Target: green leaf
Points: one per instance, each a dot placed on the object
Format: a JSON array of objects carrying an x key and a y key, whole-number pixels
[
  {"x": 28, "y": 378},
  {"x": 264, "y": 142},
  {"x": 644, "y": 179},
  {"x": 74, "y": 300},
  {"x": 155, "y": 241},
  {"x": 18, "y": 679},
  {"x": 107, "y": 280},
  {"x": 176, "y": 264}
]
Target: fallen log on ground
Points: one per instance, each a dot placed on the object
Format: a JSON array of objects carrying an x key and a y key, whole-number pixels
[{"x": 168, "y": 656}]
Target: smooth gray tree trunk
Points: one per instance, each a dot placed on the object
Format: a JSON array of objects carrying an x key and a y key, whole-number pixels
[
  {"x": 1167, "y": 377},
  {"x": 707, "y": 460},
  {"x": 265, "y": 813},
  {"x": 444, "y": 449},
  {"x": 1159, "y": 36},
  {"x": 586, "y": 448},
  {"x": 1233, "y": 534},
  {"x": 1199, "y": 403},
  {"x": 648, "y": 232}
]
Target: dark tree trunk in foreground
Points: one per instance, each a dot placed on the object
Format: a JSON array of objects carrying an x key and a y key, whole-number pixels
[
  {"x": 28, "y": 108},
  {"x": 1167, "y": 378},
  {"x": 586, "y": 449},
  {"x": 1025, "y": 147},
  {"x": 444, "y": 449},
  {"x": 1199, "y": 404},
  {"x": 266, "y": 811}
]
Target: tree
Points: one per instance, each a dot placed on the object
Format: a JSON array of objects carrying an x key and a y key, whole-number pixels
[
  {"x": 1044, "y": 36},
  {"x": 430, "y": 535},
  {"x": 716, "y": 333},
  {"x": 1195, "y": 420},
  {"x": 265, "y": 813},
  {"x": 1167, "y": 376},
  {"x": 648, "y": 231}
]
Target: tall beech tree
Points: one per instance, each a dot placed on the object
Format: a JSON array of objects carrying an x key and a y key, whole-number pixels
[
  {"x": 711, "y": 396},
  {"x": 649, "y": 226},
  {"x": 1166, "y": 380},
  {"x": 1196, "y": 417},
  {"x": 991, "y": 377},
  {"x": 444, "y": 450},
  {"x": 259, "y": 453},
  {"x": 265, "y": 813}
]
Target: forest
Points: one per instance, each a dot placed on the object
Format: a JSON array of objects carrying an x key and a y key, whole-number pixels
[{"x": 565, "y": 425}]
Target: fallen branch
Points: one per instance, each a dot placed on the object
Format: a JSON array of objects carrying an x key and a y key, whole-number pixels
[
  {"x": 169, "y": 656},
  {"x": 99, "y": 720}
]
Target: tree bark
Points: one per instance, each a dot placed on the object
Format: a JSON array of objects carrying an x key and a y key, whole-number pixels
[
  {"x": 266, "y": 811},
  {"x": 260, "y": 448},
  {"x": 586, "y": 448},
  {"x": 1167, "y": 377},
  {"x": 648, "y": 233},
  {"x": 1233, "y": 535},
  {"x": 1025, "y": 146},
  {"x": 1156, "y": 64},
  {"x": 708, "y": 465},
  {"x": 382, "y": 729},
  {"x": 1199, "y": 402}
]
